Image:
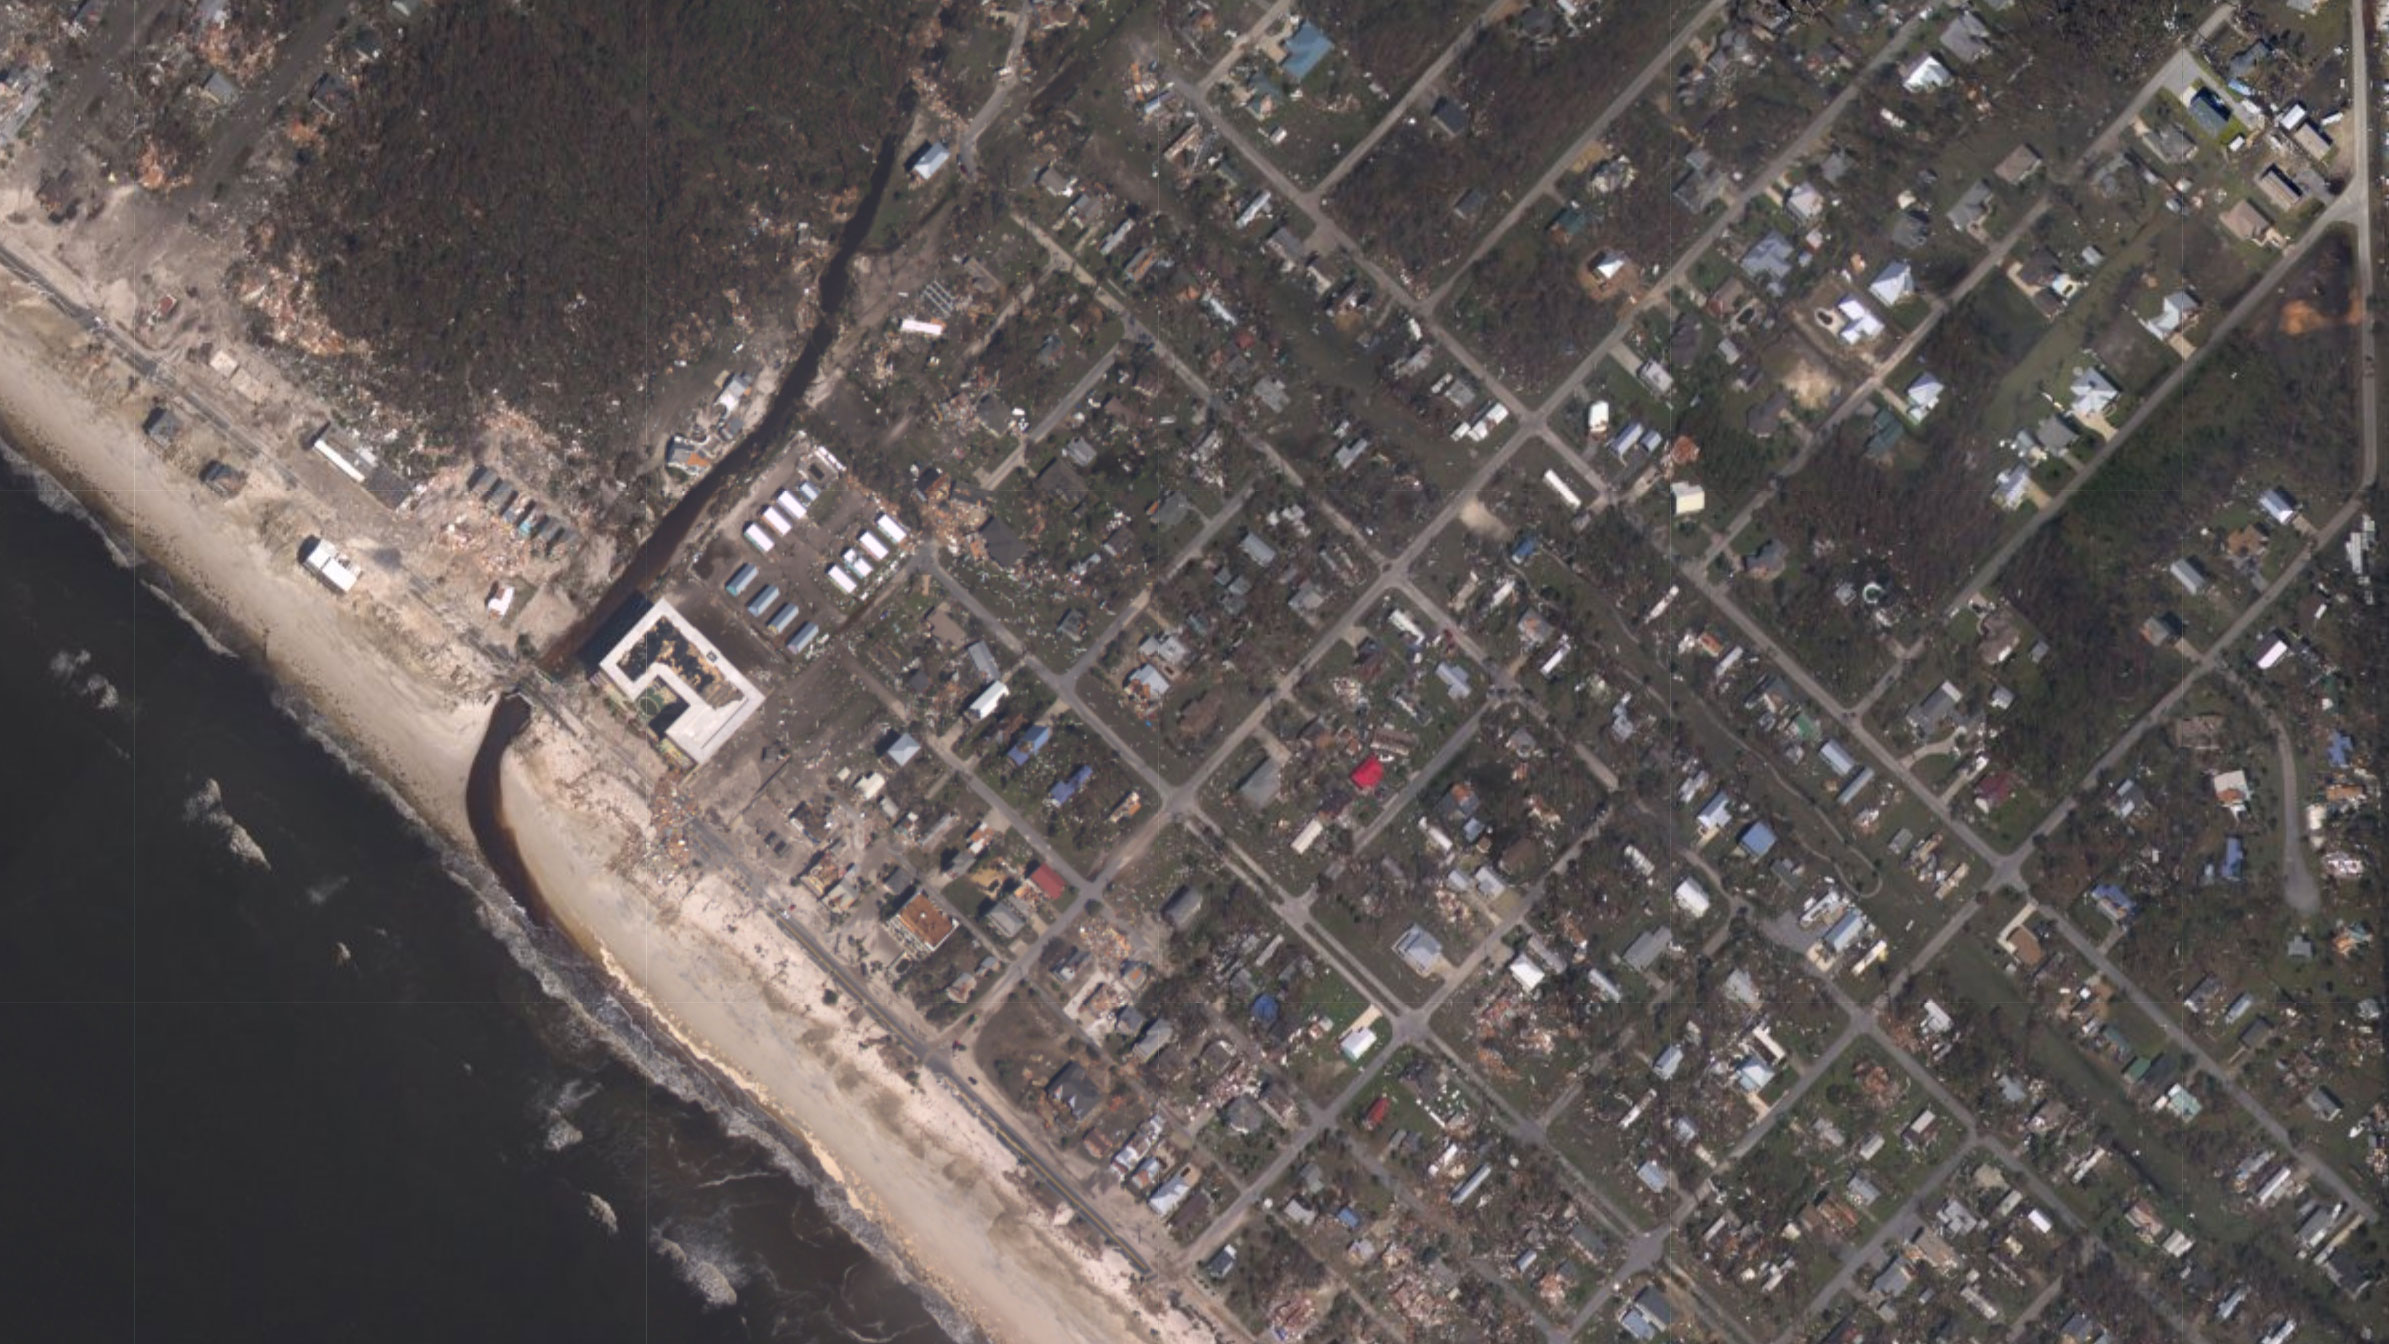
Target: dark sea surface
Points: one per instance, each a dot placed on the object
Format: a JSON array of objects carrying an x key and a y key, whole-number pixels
[{"x": 300, "y": 1086}]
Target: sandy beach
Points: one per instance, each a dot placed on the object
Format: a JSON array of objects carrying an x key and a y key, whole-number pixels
[{"x": 704, "y": 962}]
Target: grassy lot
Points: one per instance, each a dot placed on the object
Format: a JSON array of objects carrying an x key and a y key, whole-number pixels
[
  {"x": 1382, "y": 47},
  {"x": 1388, "y": 705},
  {"x": 1849, "y": 519},
  {"x": 1048, "y": 345},
  {"x": 1176, "y": 733},
  {"x": 1061, "y": 532},
  {"x": 1527, "y": 306},
  {"x": 1308, "y": 129},
  {"x": 2070, "y": 69},
  {"x": 1237, "y": 952},
  {"x": 1527, "y": 1048},
  {"x": 1410, "y": 463},
  {"x": 1083, "y": 828},
  {"x": 1272, "y": 1267},
  {"x": 2270, "y": 408},
  {"x": 1526, "y": 103},
  {"x": 1390, "y": 41},
  {"x": 1367, "y": 932}
]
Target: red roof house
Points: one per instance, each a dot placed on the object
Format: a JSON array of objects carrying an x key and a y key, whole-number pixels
[
  {"x": 1048, "y": 882},
  {"x": 1368, "y": 774}
]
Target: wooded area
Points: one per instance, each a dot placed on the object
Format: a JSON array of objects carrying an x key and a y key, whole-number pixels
[
  {"x": 546, "y": 206},
  {"x": 2268, "y": 402}
]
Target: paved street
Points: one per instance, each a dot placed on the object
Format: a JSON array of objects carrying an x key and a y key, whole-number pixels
[{"x": 1180, "y": 803}]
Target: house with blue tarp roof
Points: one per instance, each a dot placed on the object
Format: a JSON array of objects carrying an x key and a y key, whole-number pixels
[
  {"x": 1030, "y": 741},
  {"x": 1306, "y": 46},
  {"x": 1065, "y": 790},
  {"x": 1758, "y": 838}
]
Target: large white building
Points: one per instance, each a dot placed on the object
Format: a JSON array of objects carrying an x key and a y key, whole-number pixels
[{"x": 680, "y": 684}]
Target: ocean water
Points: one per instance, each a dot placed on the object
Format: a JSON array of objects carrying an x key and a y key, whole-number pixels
[{"x": 276, "y": 1073}]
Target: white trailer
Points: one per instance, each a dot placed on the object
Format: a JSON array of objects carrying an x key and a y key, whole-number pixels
[{"x": 329, "y": 565}]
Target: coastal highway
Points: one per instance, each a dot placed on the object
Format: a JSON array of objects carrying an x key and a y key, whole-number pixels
[
  {"x": 934, "y": 1061},
  {"x": 133, "y": 355}
]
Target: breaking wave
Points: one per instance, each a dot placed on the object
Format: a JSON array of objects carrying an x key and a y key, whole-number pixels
[
  {"x": 597, "y": 1015},
  {"x": 707, "y": 1279},
  {"x": 206, "y": 808},
  {"x": 71, "y": 668}
]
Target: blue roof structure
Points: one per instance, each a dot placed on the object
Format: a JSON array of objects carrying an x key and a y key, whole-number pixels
[
  {"x": 1065, "y": 790},
  {"x": 1757, "y": 839},
  {"x": 1031, "y": 741},
  {"x": 1304, "y": 50}
]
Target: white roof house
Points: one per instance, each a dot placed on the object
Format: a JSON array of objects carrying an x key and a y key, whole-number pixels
[
  {"x": 2090, "y": 394},
  {"x": 1857, "y": 323},
  {"x": 1420, "y": 950},
  {"x": 1896, "y": 282},
  {"x": 929, "y": 160},
  {"x": 1924, "y": 72},
  {"x": 985, "y": 702},
  {"x": 1690, "y": 498},
  {"x": 1923, "y": 395},
  {"x": 1528, "y": 975},
  {"x": 2173, "y": 313},
  {"x": 2278, "y": 506},
  {"x": 1691, "y": 897},
  {"x": 2013, "y": 484},
  {"x": 1837, "y": 758},
  {"x": 1714, "y": 814}
]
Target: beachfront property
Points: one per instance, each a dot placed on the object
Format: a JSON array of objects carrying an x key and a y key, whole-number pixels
[
  {"x": 325, "y": 562},
  {"x": 679, "y": 684}
]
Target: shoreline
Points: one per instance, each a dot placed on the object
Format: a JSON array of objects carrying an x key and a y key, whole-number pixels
[{"x": 699, "y": 977}]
